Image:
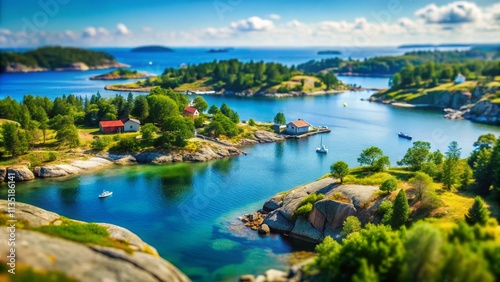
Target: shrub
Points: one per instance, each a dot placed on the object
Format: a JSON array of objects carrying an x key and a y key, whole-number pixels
[
  {"x": 312, "y": 198},
  {"x": 100, "y": 143},
  {"x": 317, "y": 84},
  {"x": 117, "y": 137},
  {"x": 389, "y": 185},
  {"x": 431, "y": 169},
  {"x": 251, "y": 122},
  {"x": 385, "y": 210},
  {"x": 53, "y": 156},
  {"x": 351, "y": 225},
  {"x": 304, "y": 210},
  {"x": 127, "y": 145},
  {"x": 400, "y": 210},
  {"x": 478, "y": 213}
]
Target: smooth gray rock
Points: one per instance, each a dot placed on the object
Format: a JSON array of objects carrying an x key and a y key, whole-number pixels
[
  {"x": 21, "y": 173},
  {"x": 264, "y": 229},
  {"x": 305, "y": 231},
  {"x": 274, "y": 203},
  {"x": 277, "y": 222},
  {"x": 263, "y": 136}
]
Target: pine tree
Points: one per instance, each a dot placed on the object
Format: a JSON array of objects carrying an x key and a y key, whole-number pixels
[
  {"x": 465, "y": 178},
  {"x": 401, "y": 210},
  {"x": 450, "y": 166},
  {"x": 478, "y": 213},
  {"x": 483, "y": 172}
]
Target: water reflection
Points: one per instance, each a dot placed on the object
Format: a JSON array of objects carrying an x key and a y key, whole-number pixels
[
  {"x": 70, "y": 191},
  {"x": 223, "y": 166},
  {"x": 279, "y": 150}
]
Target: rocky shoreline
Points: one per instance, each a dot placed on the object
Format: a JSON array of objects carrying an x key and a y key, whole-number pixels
[
  {"x": 96, "y": 161},
  {"x": 77, "y": 66},
  {"x": 326, "y": 217},
  {"x": 44, "y": 253}
]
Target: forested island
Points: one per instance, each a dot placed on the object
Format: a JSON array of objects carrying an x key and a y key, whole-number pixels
[
  {"x": 121, "y": 74},
  {"x": 389, "y": 65},
  {"x": 56, "y": 58},
  {"x": 470, "y": 89},
  {"x": 329, "y": 52},
  {"x": 425, "y": 220},
  {"x": 151, "y": 49},
  {"x": 242, "y": 78}
]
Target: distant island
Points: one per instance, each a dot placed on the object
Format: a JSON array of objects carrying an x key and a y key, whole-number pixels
[
  {"x": 221, "y": 50},
  {"x": 56, "y": 58},
  {"x": 489, "y": 46},
  {"x": 232, "y": 77},
  {"x": 120, "y": 74},
  {"x": 329, "y": 52},
  {"x": 151, "y": 49}
]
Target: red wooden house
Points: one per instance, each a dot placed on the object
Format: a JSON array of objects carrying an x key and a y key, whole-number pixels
[{"x": 111, "y": 126}]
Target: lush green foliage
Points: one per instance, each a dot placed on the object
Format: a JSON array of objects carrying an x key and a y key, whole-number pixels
[
  {"x": 101, "y": 143},
  {"x": 339, "y": 170},
  {"x": 351, "y": 225},
  {"x": 200, "y": 104},
  {"x": 400, "y": 211},
  {"x": 389, "y": 185},
  {"x": 148, "y": 132},
  {"x": 56, "y": 57},
  {"x": 280, "y": 119},
  {"x": 374, "y": 158},
  {"x": 417, "y": 155},
  {"x": 450, "y": 166},
  {"x": 478, "y": 213},
  {"x": 304, "y": 210}
]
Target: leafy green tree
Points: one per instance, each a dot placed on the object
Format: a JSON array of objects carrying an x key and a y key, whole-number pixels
[
  {"x": 421, "y": 183},
  {"x": 365, "y": 273},
  {"x": 215, "y": 129},
  {"x": 161, "y": 107},
  {"x": 180, "y": 129},
  {"x": 351, "y": 225},
  {"x": 437, "y": 157},
  {"x": 495, "y": 164},
  {"x": 432, "y": 170},
  {"x": 339, "y": 170},
  {"x": 485, "y": 141},
  {"x": 401, "y": 210},
  {"x": 280, "y": 119},
  {"x": 478, "y": 213},
  {"x": 200, "y": 104},
  {"x": 450, "y": 166},
  {"x": 370, "y": 155},
  {"x": 11, "y": 141},
  {"x": 141, "y": 108},
  {"x": 148, "y": 132},
  {"x": 251, "y": 122},
  {"x": 381, "y": 164},
  {"x": 199, "y": 121},
  {"x": 483, "y": 172},
  {"x": 213, "y": 110},
  {"x": 465, "y": 178},
  {"x": 389, "y": 185},
  {"x": 416, "y": 156}
]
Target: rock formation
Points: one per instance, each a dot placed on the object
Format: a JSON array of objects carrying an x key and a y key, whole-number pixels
[{"x": 43, "y": 253}]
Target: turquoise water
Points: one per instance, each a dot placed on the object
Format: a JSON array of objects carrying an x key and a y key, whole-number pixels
[{"x": 189, "y": 211}]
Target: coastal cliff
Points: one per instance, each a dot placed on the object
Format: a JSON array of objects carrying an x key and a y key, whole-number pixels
[
  {"x": 47, "y": 245},
  {"x": 279, "y": 213}
]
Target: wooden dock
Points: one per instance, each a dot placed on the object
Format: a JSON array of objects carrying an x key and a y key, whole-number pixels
[{"x": 310, "y": 133}]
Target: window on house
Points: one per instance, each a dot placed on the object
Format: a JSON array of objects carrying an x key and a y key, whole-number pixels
[{"x": 131, "y": 126}]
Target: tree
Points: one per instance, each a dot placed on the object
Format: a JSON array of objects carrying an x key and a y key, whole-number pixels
[
  {"x": 340, "y": 170},
  {"x": 200, "y": 104},
  {"x": 381, "y": 164},
  {"x": 421, "y": 182},
  {"x": 68, "y": 135},
  {"x": 485, "y": 141},
  {"x": 401, "y": 210},
  {"x": 495, "y": 164},
  {"x": 395, "y": 81},
  {"x": 351, "y": 225},
  {"x": 213, "y": 110},
  {"x": 450, "y": 166},
  {"x": 437, "y": 157},
  {"x": 370, "y": 155},
  {"x": 478, "y": 213},
  {"x": 161, "y": 107},
  {"x": 215, "y": 129},
  {"x": 180, "y": 129},
  {"x": 483, "y": 171},
  {"x": 251, "y": 122},
  {"x": 11, "y": 140},
  {"x": 148, "y": 132},
  {"x": 389, "y": 185},
  {"x": 280, "y": 119},
  {"x": 465, "y": 178},
  {"x": 416, "y": 156},
  {"x": 141, "y": 108}
]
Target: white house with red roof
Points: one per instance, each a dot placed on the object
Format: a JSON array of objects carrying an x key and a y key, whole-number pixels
[
  {"x": 190, "y": 112},
  {"x": 299, "y": 126},
  {"x": 131, "y": 124}
]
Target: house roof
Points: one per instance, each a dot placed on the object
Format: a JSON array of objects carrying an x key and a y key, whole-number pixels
[
  {"x": 111, "y": 123},
  {"x": 300, "y": 123},
  {"x": 124, "y": 120},
  {"x": 190, "y": 110}
]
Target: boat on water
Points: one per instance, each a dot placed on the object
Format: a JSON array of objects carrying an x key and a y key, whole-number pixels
[
  {"x": 322, "y": 148},
  {"x": 403, "y": 135},
  {"x": 105, "y": 194}
]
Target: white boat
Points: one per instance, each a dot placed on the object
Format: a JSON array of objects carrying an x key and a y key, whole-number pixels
[
  {"x": 105, "y": 194},
  {"x": 322, "y": 148}
]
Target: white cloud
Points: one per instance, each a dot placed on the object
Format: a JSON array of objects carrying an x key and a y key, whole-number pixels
[
  {"x": 453, "y": 13},
  {"x": 252, "y": 24},
  {"x": 274, "y": 16},
  {"x": 147, "y": 29},
  {"x": 122, "y": 29},
  {"x": 91, "y": 31},
  {"x": 294, "y": 23}
]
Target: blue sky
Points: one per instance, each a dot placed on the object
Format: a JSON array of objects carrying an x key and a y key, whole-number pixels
[{"x": 27, "y": 23}]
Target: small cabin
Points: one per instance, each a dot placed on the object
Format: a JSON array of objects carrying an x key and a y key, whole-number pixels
[
  {"x": 131, "y": 124},
  {"x": 299, "y": 126},
  {"x": 190, "y": 112},
  {"x": 111, "y": 126},
  {"x": 460, "y": 79}
]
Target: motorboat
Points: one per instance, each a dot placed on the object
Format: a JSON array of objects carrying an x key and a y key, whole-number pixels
[
  {"x": 105, "y": 194},
  {"x": 403, "y": 135}
]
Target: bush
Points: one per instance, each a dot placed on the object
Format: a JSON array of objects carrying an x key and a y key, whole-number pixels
[
  {"x": 53, "y": 156},
  {"x": 431, "y": 169},
  {"x": 385, "y": 210},
  {"x": 317, "y": 84},
  {"x": 251, "y": 122},
  {"x": 101, "y": 143},
  {"x": 312, "y": 198},
  {"x": 389, "y": 185},
  {"x": 127, "y": 145},
  {"x": 351, "y": 225},
  {"x": 304, "y": 210},
  {"x": 117, "y": 137}
]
